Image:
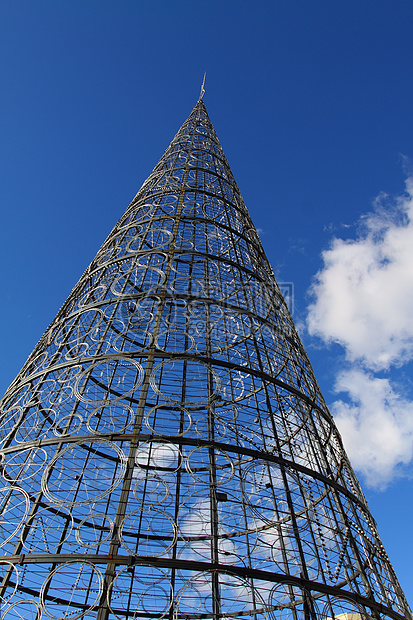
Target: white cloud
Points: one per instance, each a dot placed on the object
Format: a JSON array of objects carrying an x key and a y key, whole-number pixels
[
  {"x": 377, "y": 426},
  {"x": 364, "y": 293},
  {"x": 363, "y": 300}
]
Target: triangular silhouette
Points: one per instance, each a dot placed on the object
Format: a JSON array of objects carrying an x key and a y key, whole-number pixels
[{"x": 167, "y": 452}]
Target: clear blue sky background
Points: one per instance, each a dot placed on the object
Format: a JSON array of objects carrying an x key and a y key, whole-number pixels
[{"x": 312, "y": 101}]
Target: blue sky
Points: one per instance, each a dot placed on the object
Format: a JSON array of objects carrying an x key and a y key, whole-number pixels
[{"x": 312, "y": 101}]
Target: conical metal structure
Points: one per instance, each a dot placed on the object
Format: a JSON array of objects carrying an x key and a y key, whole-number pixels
[{"x": 166, "y": 450}]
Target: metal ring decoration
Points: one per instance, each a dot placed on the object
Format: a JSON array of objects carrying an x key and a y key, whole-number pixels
[
  {"x": 9, "y": 420},
  {"x": 37, "y": 422},
  {"x": 139, "y": 533},
  {"x": 144, "y": 589},
  {"x": 170, "y": 420},
  {"x": 109, "y": 380},
  {"x": 8, "y": 567},
  {"x": 67, "y": 482},
  {"x": 165, "y": 381},
  {"x": 72, "y": 580},
  {"x": 24, "y": 464},
  {"x": 14, "y": 508},
  {"x": 94, "y": 530},
  {"x": 150, "y": 489},
  {"x": 158, "y": 458},
  {"x": 27, "y": 609}
]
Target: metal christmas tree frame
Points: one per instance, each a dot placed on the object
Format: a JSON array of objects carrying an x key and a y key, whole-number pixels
[{"x": 166, "y": 450}]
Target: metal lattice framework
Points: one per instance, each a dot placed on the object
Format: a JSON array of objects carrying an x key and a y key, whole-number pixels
[{"x": 166, "y": 451}]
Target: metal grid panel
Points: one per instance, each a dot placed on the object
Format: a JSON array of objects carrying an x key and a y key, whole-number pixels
[{"x": 166, "y": 451}]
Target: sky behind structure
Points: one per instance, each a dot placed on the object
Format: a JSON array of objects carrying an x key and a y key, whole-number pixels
[{"x": 312, "y": 103}]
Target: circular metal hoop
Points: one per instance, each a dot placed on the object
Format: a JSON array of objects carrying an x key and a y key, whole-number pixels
[{"x": 66, "y": 482}]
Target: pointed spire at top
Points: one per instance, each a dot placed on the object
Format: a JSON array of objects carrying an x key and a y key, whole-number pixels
[{"x": 202, "y": 93}]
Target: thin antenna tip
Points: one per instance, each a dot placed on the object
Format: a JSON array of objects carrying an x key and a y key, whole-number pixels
[{"x": 202, "y": 93}]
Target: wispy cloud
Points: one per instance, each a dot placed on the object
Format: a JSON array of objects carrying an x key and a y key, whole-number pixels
[{"x": 363, "y": 300}]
